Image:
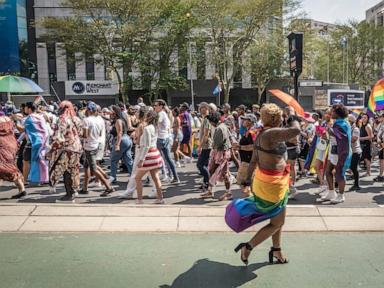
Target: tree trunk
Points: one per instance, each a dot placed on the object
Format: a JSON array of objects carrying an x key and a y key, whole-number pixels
[{"x": 121, "y": 85}]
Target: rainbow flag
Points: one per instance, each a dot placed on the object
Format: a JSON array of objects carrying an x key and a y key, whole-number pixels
[
  {"x": 376, "y": 100},
  {"x": 37, "y": 131}
]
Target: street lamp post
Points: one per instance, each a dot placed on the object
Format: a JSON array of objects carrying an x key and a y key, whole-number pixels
[{"x": 190, "y": 66}]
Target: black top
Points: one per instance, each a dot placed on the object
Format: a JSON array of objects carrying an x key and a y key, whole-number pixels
[
  {"x": 114, "y": 130},
  {"x": 364, "y": 133},
  {"x": 246, "y": 156},
  {"x": 280, "y": 150}
]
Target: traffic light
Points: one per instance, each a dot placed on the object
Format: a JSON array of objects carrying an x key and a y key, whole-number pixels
[{"x": 295, "y": 53}]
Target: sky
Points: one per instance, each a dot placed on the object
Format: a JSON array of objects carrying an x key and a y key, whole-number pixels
[{"x": 337, "y": 11}]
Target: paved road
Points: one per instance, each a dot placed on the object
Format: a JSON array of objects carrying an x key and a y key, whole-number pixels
[
  {"x": 182, "y": 261},
  {"x": 187, "y": 192}
]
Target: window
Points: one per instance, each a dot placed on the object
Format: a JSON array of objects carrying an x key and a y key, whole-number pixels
[
  {"x": 71, "y": 65},
  {"x": 90, "y": 67}
]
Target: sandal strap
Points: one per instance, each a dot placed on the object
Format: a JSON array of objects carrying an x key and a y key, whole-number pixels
[
  {"x": 273, "y": 249},
  {"x": 248, "y": 246}
]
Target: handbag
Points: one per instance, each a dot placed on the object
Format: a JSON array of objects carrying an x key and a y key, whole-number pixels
[{"x": 242, "y": 173}]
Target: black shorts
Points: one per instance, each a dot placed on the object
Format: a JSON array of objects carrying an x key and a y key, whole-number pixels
[
  {"x": 293, "y": 153},
  {"x": 367, "y": 152},
  {"x": 304, "y": 152},
  {"x": 90, "y": 160},
  {"x": 381, "y": 154},
  {"x": 27, "y": 154}
]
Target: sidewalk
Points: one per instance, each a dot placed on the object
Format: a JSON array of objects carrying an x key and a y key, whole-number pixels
[{"x": 175, "y": 219}]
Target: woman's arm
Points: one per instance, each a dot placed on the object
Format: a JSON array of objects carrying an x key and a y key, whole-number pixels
[
  {"x": 277, "y": 135},
  {"x": 119, "y": 131},
  {"x": 252, "y": 167}
]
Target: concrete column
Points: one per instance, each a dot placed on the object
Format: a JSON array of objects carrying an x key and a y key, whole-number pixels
[
  {"x": 155, "y": 62},
  {"x": 230, "y": 63},
  {"x": 80, "y": 66},
  {"x": 209, "y": 65},
  {"x": 99, "y": 67},
  {"x": 246, "y": 70},
  {"x": 61, "y": 62},
  {"x": 194, "y": 64},
  {"x": 42, "y": 66},
  {"x": 136, "y": 77},
  {"x": 174, "y": 62}
]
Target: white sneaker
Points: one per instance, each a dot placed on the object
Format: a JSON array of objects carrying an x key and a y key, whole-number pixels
[
  {"x": 292, "y": 192},
  {"x": 329, "y": 195},
  {"x": 52, "y": 189},
  {"x": 187, "y": 159},
  {"x": 340, "y": 198},
  {"x": 178, "y": 165},
  {"x": 159, "y": 202},
  {"x": 153, "y": 194},
  {"x": 321, "y": 190},
  {"x": 111, "y": 179},
  {"x": 97, "y": 184},
  {"x": 125, "y": 195}
]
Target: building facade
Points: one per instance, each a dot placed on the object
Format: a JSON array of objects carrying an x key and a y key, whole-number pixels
[
  {"x": 13, "y": 37},
  {"x": 375, "y": 14}
]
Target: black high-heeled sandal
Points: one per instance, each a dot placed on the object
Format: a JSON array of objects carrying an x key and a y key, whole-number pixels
[
  {"x": 240, "y": 247},
  {"x": 271, "y": 256}
]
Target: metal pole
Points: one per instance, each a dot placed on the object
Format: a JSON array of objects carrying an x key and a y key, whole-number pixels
[
  {"x": 190, "y": 73},
  {"x": 347, "y": 62},
  {"x": 328, "y": 64},
  {"x": 296, "y": 84},
  {"x": 343, "y": 65}
]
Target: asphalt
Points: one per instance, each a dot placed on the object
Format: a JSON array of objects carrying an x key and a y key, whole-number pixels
[
  {"x": 114, "y": 260},
  {"x": 187, "y": 193}
]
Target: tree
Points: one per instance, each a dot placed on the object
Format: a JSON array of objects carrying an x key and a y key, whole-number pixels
[
  {"x": 267, "y": 59},
  {"x": 232, "y": 26},
  {"x": 126, "y": 34}
]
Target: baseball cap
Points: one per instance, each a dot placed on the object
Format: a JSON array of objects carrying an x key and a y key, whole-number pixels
[
  {"x": 91, "y": 106},
  {"x": 250, "y": 117}
]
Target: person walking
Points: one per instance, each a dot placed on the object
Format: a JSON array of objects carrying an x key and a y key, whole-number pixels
[
  {"x": 8, "y": 150},
  {"x": 380, "y": 144},
  {"x": 37, "y": 132},
  {"x": 219, "y": 157},
  {"x": 340, "y": 154},
  {"x": 149, "y": 158},
  {"x": 366, "y": 137},
  {"x": 245, "y": 148},
  {"x": 131, "y": 186},
  {"x": 66, "y": 151},
  {"x": 121, "y": 143},
  {"x": 92, "y": 131},
  {"x": 163, "y": 129},
  {"x": 356, "y": 152},
  {"x": 204, "y": 150},
  {"x": 270, "y": 184}
]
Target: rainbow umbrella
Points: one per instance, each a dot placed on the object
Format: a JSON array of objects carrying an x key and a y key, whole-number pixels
[
  {"x": 376, "y": 100},
  {"x": 14, "y": 84}
]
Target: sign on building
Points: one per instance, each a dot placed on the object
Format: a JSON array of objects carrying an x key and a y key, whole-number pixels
[
  {"x": 73, "y": 88},
  {"x": 349, "y": 98}
]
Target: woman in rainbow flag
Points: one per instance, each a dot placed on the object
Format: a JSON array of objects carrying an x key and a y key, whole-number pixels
[{"x": 270, "y": 186}]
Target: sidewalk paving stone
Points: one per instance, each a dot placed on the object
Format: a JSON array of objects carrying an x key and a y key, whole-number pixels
[
  {"x": 62, "y": 224},
  {"x": 11, "y": 223},
  {"x": 139, "y": 224}
]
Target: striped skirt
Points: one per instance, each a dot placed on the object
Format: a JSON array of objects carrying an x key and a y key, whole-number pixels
[{"x": 153, "y": 160}]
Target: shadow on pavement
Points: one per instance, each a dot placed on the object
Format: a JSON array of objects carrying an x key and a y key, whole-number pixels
[
  {"x": 379, "y": 199},
  {"x": 207, "y": 273}
]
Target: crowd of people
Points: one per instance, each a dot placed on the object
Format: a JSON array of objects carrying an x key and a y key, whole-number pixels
[{"x": 44, "y": 143}]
